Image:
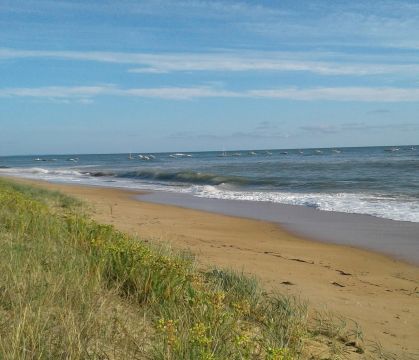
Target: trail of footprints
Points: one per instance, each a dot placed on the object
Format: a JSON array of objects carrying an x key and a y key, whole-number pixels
[{"x": 311, "y": 262}]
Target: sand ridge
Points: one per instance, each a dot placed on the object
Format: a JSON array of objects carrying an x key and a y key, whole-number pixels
[{"x": 378, "y": 292}]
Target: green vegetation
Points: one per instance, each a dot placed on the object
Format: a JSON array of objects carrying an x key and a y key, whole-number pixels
[{"x": 71, "y": 288}]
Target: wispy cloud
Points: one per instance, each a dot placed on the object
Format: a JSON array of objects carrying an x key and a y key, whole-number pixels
[
  {"x": 345, "y": 24},
  {"x": 250, "y": 134},
  {"x": 320, "y": 128},
  {"x": 88, "y": 92},
  {"x": 201, "y": 8},
  {"x": 176, "y": 93},
  {"x": 362, "y": 94},
  {"x": 232, "y": 61},
  {"x": 331, "y": 129},
  {"x": 362, "y": 26},
  {"x": 58, "y": 91}
]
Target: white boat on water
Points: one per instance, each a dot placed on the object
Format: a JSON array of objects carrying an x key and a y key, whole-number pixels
[
  {"x": 180, "y": 155},
  {"x": 130, "y": 157},
  {"x": 252, "y": 153},
  {"x": 318, "y": 151},
  {"x": 393, "y": 149},
  {"x": 223, "y": 153},
  {"x": 41, "y": 159},
  {"x": 336, "y": 151}
]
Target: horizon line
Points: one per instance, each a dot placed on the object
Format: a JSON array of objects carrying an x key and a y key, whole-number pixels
[{"x": 203, "y": 151}]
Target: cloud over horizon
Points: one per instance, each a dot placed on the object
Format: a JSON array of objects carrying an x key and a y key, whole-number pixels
[
  {"x": 234, "y": 61},
  {"x": 362, "y": 94},
  {"x": 235, "y": 70}
]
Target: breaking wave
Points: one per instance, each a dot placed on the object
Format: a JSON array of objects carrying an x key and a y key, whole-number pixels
[{"x": 188, "y": 177}]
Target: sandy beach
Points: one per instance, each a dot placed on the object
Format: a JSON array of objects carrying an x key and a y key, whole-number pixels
[
  {"x": 398, "y": 239},
  {"x": 376, "y": 291}
]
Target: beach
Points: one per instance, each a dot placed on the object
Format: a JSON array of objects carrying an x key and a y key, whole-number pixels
[
  {"x": 209, "y": 180},
  {"x": 397, "y": 239},
  {"x": 377, "y": 291}
]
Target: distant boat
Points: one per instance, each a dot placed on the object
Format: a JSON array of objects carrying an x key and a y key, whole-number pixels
[
  {"x": 268, "y": 153},
  {"x": 336, "y": 151},
  {"x": 40, "y": 159},
  {"x": 236, "y": 154},
  {"x": 284, "y": 152},
  {"x": 223, "y": 154},
  {"x": 252, "y": 153},
  {"x": 301, "y": 152},
  {"x": 393, "y": 149},
  {"x": 73, "y": 159},
  {"x": 130, "y": 157},
  {"x": 318, "y": 151},
  {"x": 412, "y": 148},
  {"x": 177, "y": 155}
]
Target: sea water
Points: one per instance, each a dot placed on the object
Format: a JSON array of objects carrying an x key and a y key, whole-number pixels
[{"x": 379, "y": 181}]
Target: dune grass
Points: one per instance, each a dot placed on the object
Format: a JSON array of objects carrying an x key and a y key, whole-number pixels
[{"x": 71, "y": 288}]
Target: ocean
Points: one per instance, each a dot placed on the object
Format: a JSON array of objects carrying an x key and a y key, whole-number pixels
[{"x": 378, "y": 181}]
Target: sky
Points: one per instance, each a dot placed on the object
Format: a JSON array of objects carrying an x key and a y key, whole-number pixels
[{"x": 164, "y": 75}]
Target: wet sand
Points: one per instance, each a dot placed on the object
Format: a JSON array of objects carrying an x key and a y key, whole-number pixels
[
  {"x": 378, "y": 292},
  {"x": 399, "y": 239}
]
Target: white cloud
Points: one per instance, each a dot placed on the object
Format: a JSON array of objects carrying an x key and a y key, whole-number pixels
[
  {"x": 330, "y": 129},
  {"x": 307, "y": 24},
  {"x": 55, "y": 92},
  {"x": 186, "y": 8},
  {"x": 363, "y": 94},
  {"x": 177, "y": 93},
  {"x": 88, "y": 92},
  {"x": 391, "y": 23},
  {"x": 234, "y": 61}
]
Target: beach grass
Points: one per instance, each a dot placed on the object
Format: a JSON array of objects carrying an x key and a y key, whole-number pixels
[{"x": 71, "y": 288}]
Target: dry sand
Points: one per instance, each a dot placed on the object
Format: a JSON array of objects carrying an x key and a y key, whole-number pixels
[{"x": 378, "y": 292}]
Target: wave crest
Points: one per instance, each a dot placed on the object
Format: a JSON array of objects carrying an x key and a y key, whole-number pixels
[{"x": 189, "y": 177}]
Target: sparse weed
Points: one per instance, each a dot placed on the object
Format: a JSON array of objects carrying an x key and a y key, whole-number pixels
[{"x": 71, "y": 288}]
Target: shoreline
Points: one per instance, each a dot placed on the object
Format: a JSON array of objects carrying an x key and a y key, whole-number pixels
[
  {"x": 393, "y": 238},
  {"x": 396, "y": 239},
  {"x": 378, "y": 292}
]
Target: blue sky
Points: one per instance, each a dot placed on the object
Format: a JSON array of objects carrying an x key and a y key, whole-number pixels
[{"x": 146, "y": 76}]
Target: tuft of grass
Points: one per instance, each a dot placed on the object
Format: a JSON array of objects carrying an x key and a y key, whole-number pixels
[
  {"x": 75, "y": 289},
  {"x": 48, "y": 197}
]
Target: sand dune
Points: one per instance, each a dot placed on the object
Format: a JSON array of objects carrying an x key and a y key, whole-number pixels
[{"x": 380, "y": 293}]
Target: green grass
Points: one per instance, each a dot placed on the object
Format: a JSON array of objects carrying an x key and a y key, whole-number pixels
[{"x": 71, "y": 288}]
